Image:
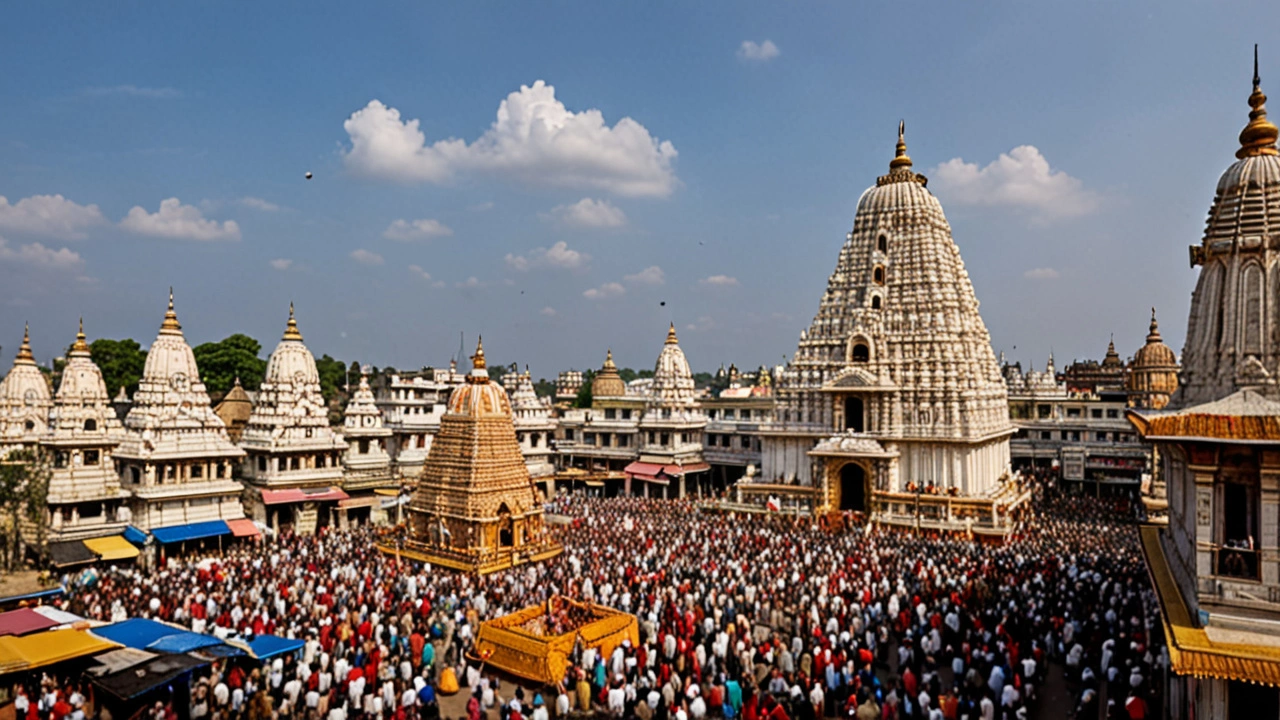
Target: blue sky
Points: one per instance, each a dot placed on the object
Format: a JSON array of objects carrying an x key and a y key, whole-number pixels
[{"x": 1075, "y": 148}]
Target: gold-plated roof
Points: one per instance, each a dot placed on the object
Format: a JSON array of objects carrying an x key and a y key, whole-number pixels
[
  {"x": 900, "y": 157},
  {"x": 607, "y": 382},
  {"x": 900, "y": 165},
  {"x": 24, "y": 351},
  {"x": 171, "y": 317},
  {"x": 479, "y": 373},
  {"x": 80, "y": 345},
  {"x": 291, "y": 329},
  {"x": 1259, "y": 136},
  {"x": 608, "y": 359},
  {"x": 671, "y": 335}
]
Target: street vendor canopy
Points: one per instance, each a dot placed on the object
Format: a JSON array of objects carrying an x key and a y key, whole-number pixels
[
  {"x": 114, "y": 547},
  {"x": 193, "y": 531},
  {"x": 24, "y": 622},
  {"x": 46, "y": 648},
  {"x": 280, "y": 497},
  {"x": 135, "y": 681},
  {"x": 155, "y": 636},
  {"x": 267, "y": 646},
  {"x": 243, "y": 527},
  {"x": 72, "y": 552}
]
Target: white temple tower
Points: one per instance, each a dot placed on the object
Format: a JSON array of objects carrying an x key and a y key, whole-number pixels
[
  {"x": 293, "y": 467},
  {"x": 85, "y": 498},
  {"x": 25, "y": 402},
  {"x": 671, "y": 428},
  {"x": 366, "y": 463},
  {"x": 176, "y": 457},
  {"x": 895, "y": 381}
]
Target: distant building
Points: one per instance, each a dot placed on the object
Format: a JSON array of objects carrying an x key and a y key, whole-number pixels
[{"x": 367, "y": 476}]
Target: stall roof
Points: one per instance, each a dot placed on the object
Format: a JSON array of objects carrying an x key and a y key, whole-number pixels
[
  {"x": 72, "y": 552},
  {"x": 135, "y": 536},
  {"x": 53, "y": 646},
  {"x": 296, "y": 495},
  {"x": 266, "y": 646},
  {"x": 194, "y": 531},
  {"x": 155, "y": 636},
  {"x": 113, "y": 547},
  {"x": 243, "y": 527},
  {"x": 61, "y": 617},
  {"x": 14, "y": 600},
  {"x": 117, "y": 660},
  {"x": 24, "y": 622},
  {"x": 134, "y": 681}
]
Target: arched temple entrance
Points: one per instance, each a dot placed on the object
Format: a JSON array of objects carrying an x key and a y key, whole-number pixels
[
  {"x": 853, "y": 487},
  {"x": 504, "y": 526},
  {"x": 853, "y": 414}
]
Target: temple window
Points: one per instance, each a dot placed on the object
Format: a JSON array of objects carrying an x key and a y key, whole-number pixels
[
  {"x": 282, "y": 464},
  {"x": 610, "y": 414},
  {"x": 90, "y": 425},
  {"x": 1113, "y": 413},
  {"x": 1102, "y": 437},
  {"x": 1095, "y": 413},
  {"x": 568, "y": 433},
  {"x": 364, "y": 447},
  {"x": 626, "y": 413},
  {"x": 91, "y": 457},
  {"x": 262, "y": 463},
  {"x": 1046, "y": 435},
  {"x": 535, "y": 439},
  {"x": 624, "y": 441},
  {"x": 878, "y": 275},
  {"x": 861, "y": 352},
  {"x": 875, "y": 302},
  {"x": 666, "y": 438},
  {"x": 222, "y": 471},
  {"x": 135, "y": 475},
  {"x": 197, "y": 471},
  {"x": 882, "y": 243}
]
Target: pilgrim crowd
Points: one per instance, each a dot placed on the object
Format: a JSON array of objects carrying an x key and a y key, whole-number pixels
[{"x": 750, "y": 617}]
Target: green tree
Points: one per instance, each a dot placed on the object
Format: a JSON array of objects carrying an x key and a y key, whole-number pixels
[
  {"x": 121, "y": 363},
  {"x": 24, "y": 494},
  {"x": 222, "y": 362},
  {"x": 627, "y": 375},
  {"x": 333, "y": 376},
  {"x": 644, "y": 374},
  {"x": 584, "y": 398},
  {"x": 544, "y": 388}
]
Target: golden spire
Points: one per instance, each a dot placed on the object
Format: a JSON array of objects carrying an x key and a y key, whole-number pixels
[
  {"x": 608, "y": 360},
  {"x": 1153, "y": 334},
  {"x": 671, "y": 335},
  {"x": 900, "y": 157},
  {"x": 479, "y": 372},
  {"x": 1259, "y": 136},
  {"x": 291, "y": 330},
  {"x": 24, "y": 351},
  {"x": 171, "y": 317},
  {"x": 80, "y": 345}
]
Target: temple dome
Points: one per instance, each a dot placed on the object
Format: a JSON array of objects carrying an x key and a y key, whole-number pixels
[
  {"x": 479, "y": 397},
  {"x": 607, "y": 382},
  {"x": 1153, "y": 374},
  {"x": 170, "y": 359},
  {"x": 81, "y": 378},
  {"x": 672, "y": 379},
  {"x": 291, "y": 363},
  {"x": 25, "y": 385}
]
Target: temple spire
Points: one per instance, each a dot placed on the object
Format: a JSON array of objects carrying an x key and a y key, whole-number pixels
[
  {"x": 1259, "y": 136},
  {"x": 671, "y": 336},
  {"x": 479, "y": 370},
  {"x": 900, "y": 157},
  {"x": 291, "y": 329},
  {"x": 80, "y": 344},
  {"x": 171, "y": 317},
  {"x": 1153, "y": 334},
  {"x": 24, "y": 350}
]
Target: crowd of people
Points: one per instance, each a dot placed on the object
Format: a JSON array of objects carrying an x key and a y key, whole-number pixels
[{"x": 741, "y": 616}]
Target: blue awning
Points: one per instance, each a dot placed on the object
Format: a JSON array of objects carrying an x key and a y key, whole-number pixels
[
  {"x": 183, "y": 642},
  {"x": 194, "y": 531},
  {"x": 135, "y": 536},
  {"x": 143, "y": 634},
  {"x": 266, "y": 646}
]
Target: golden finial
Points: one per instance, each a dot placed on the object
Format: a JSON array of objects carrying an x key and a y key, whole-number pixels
[
  {"x": 900, "y": 157},
  {"x": 291, "y": 329},
  {"x": 24, "y": 350},
  {"x": 171, "y": 317},
  {"x": 80, "y": 345},
  {"x": 1153, "y": 334},
  {"x": 1259, "y": 136},
  {"x": 477, "y": 360},
  {"x": 671, "y": 335},
  {"x": 608, "y": 359}
]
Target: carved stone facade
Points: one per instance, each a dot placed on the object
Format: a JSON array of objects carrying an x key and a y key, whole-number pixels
[
  {"x": 476, "y": 508},
  {"x": 176, "y": 457},
  {"x": 85, "y": 498},
  {"x": 896, "y": 353}
]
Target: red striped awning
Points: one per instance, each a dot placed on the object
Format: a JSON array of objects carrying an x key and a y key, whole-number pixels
[
  {"x": 243, "y": 527},
  {"x": 280, "y": 497}
]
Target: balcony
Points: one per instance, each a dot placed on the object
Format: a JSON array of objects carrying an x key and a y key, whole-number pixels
[{"x": 1236, "y": 563}]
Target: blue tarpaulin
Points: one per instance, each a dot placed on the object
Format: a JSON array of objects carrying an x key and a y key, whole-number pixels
[
  {"x": 265, "y": 646},
  {"x": 154, "y": 636},
  {"x": 194, "y": 531},
  {"x": 183, "y": 642},
  {"x": 135, "y": 536}
]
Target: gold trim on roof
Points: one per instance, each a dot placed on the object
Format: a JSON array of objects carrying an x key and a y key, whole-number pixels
[
  {"x": 24, "y": 351},
  {"x": 1259, "y": 136},
  {"x": 80, "y": 344},
  {"x": 671, "y": 336},
  {"x": 1212, "y": 427},
  {"x": 291, "y": 329},
  {"x": 477, "y": 363},
  {"x": 1191, "y": 651},
  {"x": 171, "y": 317}
]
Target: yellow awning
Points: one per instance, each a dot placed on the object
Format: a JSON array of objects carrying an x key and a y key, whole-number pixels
[
  {"x": 34, "y": 651},
  {"x": 388, "y": 492},
  {"x": 1191, "y": 650},
  {"x": 114, "y": 547}
]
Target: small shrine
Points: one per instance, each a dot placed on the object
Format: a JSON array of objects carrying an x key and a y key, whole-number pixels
[{"x": 475, "y": 508}]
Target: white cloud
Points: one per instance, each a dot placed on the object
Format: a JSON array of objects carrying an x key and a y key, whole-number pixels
[
  {"x": 534, "y": 140},
  {"x": 758, "y": 52},
  {"x": 37, "y": 255},
  {"x": 364, "y": 257},
  {"x": 51, "y": 215},
  {"x": 588, "y": 213},
  {"x": 470, "y": 282},
  {"x": 651, "y": 275},
  {"x": 1020, "y": 178},
  {"x": 702, "y": 324},
  {"x": 481, "y": 207},
  {"x": 548, "y": 311},
  {"x": 607, "y": 290},
  {"x": 423, "y": 229},
  {"x": 719, "y": 281},
  {"x": 557, "y": 256},
  {"x": 259, "y": 204},
  {"x": 134, "y": 91},
  {"x": 179, "y": 222},
  {"x": 417, "y": 270},
  {"x": 282, "y": 263},
  {"x": 1040, "y": 274}
]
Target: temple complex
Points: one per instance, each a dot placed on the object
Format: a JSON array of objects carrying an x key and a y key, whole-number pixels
[
  {"x": 85, "y": 497},
  {"x": 1216, "y": 564},
  {"x": 411, "y": 405},
  {"x": 670, "y": 431},
  {"x": 476, "y": 508},
  {"x": 25, "y": 402},
  {"x": 535, "y": 429},
  {"x": 176, "y": 457},
  {"x": 293, "y": 463},
  {"x": 894, "y": 390},
  {"x": 366, "y": 466}
]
